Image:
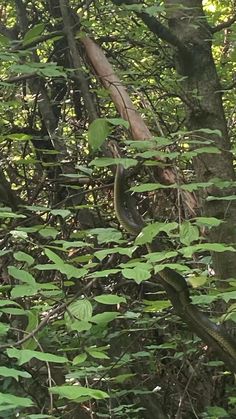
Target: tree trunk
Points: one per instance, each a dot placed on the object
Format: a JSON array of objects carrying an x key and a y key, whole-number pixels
[{"x": 202, "y": 92}]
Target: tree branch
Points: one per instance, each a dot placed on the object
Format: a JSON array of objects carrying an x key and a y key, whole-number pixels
[
  {"x": 224, "y": 25},
  {"x": 157, "y": 28}
]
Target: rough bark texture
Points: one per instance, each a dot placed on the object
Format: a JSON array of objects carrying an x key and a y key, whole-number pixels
[{"x": 205, "y": 110}]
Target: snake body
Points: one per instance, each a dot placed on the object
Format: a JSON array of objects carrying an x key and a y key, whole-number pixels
[{"x": 215, "y": 336}]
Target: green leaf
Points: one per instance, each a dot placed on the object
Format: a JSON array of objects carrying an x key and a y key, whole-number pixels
[
  {"x": 105, "y": 317},
  {"x": 24, "y": 257},
  {"x": 4, "y": 328},
  {"x": 118, "y": 122},
  {"x": 204, "y": 299},
  {"x": 148, "y": 187},
  {"x": 156, "y": 306},
  {"x": 54, "y": 257},
  {"x": 19, "y": 137},
  {"x": 139, "y": 273},
  {"x": 62, "y": 212},
  {"x": 208, "y": 221},
  {"x": 105, "y": 273},
  {"x": 221, "y": 198},
  {"x": 13, "y": 373},
  {"x": 76, "y": 393},
  {"x": 95, "y": 353},
  {"x": 48, "y": 232},
  {"x": 106, "y": 235},
  {"x": 4, "y": 41},
  {"x": 79, "y": 310},
  {"x": 22, "y": 275},
  {"x": 197, "y": 281},
  {"x": 227, "y": 296},
  {"x": 6, "y": 398},
  {"x": 11, "y": 215},
  {"x": 98, "y": 131},
  {"x": 79, "y": 359},
  {"x": 33, "y": 33},
  {"x": 156, "y": 257},
  {"x": 188, "y": 233},
  {"x": 79, "y": 325},
  {"x": 109, "y": 299},
  {"x": 210, "y": 247},
  {"x": 25, "y": 355},
  {"x": 4, "y": 303},
  {"x": 109, "y": 161},
  {"x": 217, "y": 412},
  {"x": 24, "y": 290},
  {"x": 152, "y": 230},
  {"x": 33, "y": 320},
  {"x": 101, "y": 254}
]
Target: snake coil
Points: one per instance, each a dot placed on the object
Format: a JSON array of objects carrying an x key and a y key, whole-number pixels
[{"x": 215, "y": 336}]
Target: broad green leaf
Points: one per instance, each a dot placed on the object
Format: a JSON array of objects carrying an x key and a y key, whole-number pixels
[
  {"x": 208, "y": 221},
  {"x": 54, "y": 257},
  {"x": 98, "y": 131},
  {"x": 95, "y": 353},
  {"x": 14, "y": 311},
  {"x": 195, "y": 186},
  {"x": 109, "y": 299},
  {"x": 4, "y": 303},
  {"x": 105, "y": 317},
  {"x": 4, "y": 41},
  {"x": 109, "y": 161},
  {"x": 156, "y": 306},
  {"x": 188, "y": 233},
  {"x": 209, "y": 131},
  {"x": 147, "y": 187},
  {"x": 19, "y": 137},
  {"x": 11, "y": 215},
  {"x": 139, "y": 273},
  {"x": 79, "y": 310},
  {"x": 79, "y": 325},
  {"x": 106, "y": 235},
  {"x": 22, "y": 275},
  {"x": 79, "y": 359},
  {"x": 204, "y": 299},
  {"x": 121, "y": 378},
  {"x": 25, "y": 355},
  {"x": 7, "y": 398},
  {"x": 33, "y": 320},
  {"x": 48, "y": 232},
  {"x": 210, "y": 247},
  {"x": 175, "y": 266},
  {"x": 105, "y": 273},
  {"x": 11, "y": 372},
  {"x": 197, "y": 281},
  {"x": 227, "y": 296},
  {"x": 101, "y": 254},
  {"x": 62, "y": 212},
  {"x": 217, "y": 412},
  {"x": 77, "y": 392},
  {"x": 152, "y": 230},
  {"x": 156, "y": 257},
  {"x": 4, "y": 328},
  {"x": 24, "y": 257},
  {"x": 33, "y": 33},
  {"x": 19, "y": 291},
  {"x": 118, "y": 122}
]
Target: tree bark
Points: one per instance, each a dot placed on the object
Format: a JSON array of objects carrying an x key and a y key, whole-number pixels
[{"x": 202, "y": 91}]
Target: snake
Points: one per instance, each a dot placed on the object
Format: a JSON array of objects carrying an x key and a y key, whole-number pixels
[{"x": 215, "y": 336}]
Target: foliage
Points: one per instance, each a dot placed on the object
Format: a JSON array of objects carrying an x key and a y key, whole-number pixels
[{"x": 85, "y": 327}]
